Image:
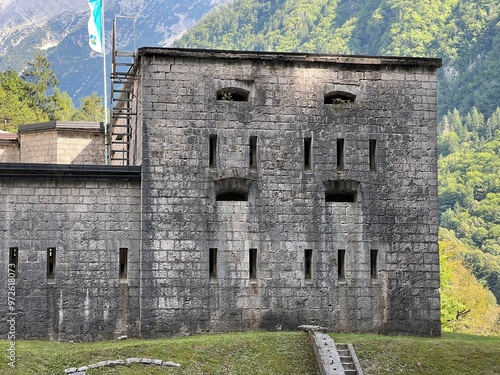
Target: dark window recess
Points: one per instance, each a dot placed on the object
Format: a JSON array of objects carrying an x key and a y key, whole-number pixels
[
  {"x": 373, "y": 155},
  {"x": 13, "y": 260},
  {"x": 308, "y": 264},
  {"x": 213, "y": 151},
  {"x": 232, "y": 196},
  {"x": 233, "y": 94},
  {"x": 253, "y": 152},
  {"x": 212, "y": 263},
  {"x": 339, "y": 97},
  {"x": 123, "y": 262},
  {"x": 51, "y": 262},
  {"x": 340, "y": 154},
  {"x": 341, "y": 265},
  {"x": 373, "y": 264},
  {"x": 340, "y": 196},
  {"x": 307, "y": 153},
  {"x": 253, "y": 264}
]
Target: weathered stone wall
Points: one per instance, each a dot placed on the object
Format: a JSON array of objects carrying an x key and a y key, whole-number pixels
[
  {"x": 394, "y": 209},
  {"x": 87, "y": 220},
  {"x": 40, "y": 147},
  {"x": 62, "y": 143},
  {"x": 80, "y": 148},
  {"x": 9, "y": 152}
]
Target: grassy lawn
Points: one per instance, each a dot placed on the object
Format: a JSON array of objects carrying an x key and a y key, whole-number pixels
[
  {"x": 234, "y": 353},
  {"x": 449, "y": 355},
  {"x": 263, "y": 353}
]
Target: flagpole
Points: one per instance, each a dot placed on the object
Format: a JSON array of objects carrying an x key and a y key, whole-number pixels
[{"x": 106, "y": 125}]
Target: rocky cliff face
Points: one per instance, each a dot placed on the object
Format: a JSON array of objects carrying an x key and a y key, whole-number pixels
[
  {"x": 60, "y": 28},
  {"x": 22, "y": 19}
]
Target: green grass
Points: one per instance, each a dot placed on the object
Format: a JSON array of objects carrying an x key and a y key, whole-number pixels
[
  {"x": 452, "y": 354},
  {"x": 233, "y": 353},
  {"x": 263, "y": 353}
]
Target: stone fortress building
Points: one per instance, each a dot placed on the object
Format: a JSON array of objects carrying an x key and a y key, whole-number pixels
[{"x": 247, "y": 190}]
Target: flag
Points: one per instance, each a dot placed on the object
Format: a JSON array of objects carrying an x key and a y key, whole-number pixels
[{"x": 95, "y": 25}]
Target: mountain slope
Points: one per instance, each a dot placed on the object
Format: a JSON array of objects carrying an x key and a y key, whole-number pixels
[
  {"x": 60, "y": 28},
  {"x": 465, "y": 33}
]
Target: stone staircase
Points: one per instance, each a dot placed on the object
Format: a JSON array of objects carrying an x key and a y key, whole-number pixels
[
  {"x": 348, "y": 359},
  {"x": 332, "y": 358}
]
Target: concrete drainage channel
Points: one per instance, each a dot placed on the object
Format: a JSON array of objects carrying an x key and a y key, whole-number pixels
[{"x": 333, "y": 359}]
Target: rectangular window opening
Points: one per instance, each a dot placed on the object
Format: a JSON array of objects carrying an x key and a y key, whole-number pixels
[
  {"x": 212, "y": 263},
  {"x": 51, "y": 262},
  {"x": 341, "y": 265},
  {"x": 123, "y": 262},
  {"x": 373, "y": 159},
  {"x": 340, "y": 196},
  {"x": 253, "y": 152},
  {"x": 340, "y": 154},
  {"x": 308, "y": 264},
  {"x": 253, "y": 264},
  {"x": 13, "y": 260},
  {"x": 232, "y": 196},
  {"x": 373, "y": 264},
  {"x": 213, "y": 151},
  {"x": 307, "y": 153}
]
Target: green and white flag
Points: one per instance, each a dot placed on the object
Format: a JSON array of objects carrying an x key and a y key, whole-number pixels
[{"x": 95, "y": 25}]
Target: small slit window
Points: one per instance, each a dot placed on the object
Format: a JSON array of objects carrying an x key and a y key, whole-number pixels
[
  {"x": 307, "y": 153},
  {"x": 123, "y": 263},
  {"x": 253, "y": 264},
  {"x": 212, "y": 263},
  {"x": 51, "y": 262},
  {"x": 13, "y": 260},
  {"x": 373, "y": 264},
  {"x": 233, "y": 94},
  {"x": 340, "y": 154},
  {"x": 253, "y": 153},
  {"x": 212, "y": 151},
  {"x": 339, "y": 97},
  {"x": 373, "y": 155},
  {"x": 308, "y": 264},
  {"x": 341, "y": 265}
]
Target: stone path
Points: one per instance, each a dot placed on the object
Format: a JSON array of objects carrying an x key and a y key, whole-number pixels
[{"x": 145, "y": 361}]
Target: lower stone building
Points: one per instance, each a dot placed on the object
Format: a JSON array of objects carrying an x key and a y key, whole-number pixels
[{"x": 258, "y": 191}]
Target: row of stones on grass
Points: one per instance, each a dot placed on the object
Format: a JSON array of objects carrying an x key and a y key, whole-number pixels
[{"x": 146, "y": 361}]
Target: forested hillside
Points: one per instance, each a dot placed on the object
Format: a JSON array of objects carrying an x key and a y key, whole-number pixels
[
  {"x": 35, "y": 96},
  {"x": 466, "y": 34},
  {"x": 469, "y": 189}
]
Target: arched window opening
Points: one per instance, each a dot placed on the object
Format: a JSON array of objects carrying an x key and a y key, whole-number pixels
[
  {"x": 341, "y": 191},
  {"x": 232, "y": 189},
  {"x": 339, "y": 97},
  {"x": 233, "y": 94}
]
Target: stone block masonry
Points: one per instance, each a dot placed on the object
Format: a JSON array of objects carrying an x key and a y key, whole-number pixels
[
  {"x": 68, "y": 226},
  {"x": 59, "y": 142},
  {"x": 279, "y": 156}
]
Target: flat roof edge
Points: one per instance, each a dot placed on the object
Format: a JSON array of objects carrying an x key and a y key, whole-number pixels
[
  {"x": 72, "y": 171},
  {"x": 292, "y": 56},
  {"x": 97, "y": 127}
]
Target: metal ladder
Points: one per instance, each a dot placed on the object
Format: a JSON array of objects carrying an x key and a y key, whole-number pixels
[{"x": 123, "y": 112}]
